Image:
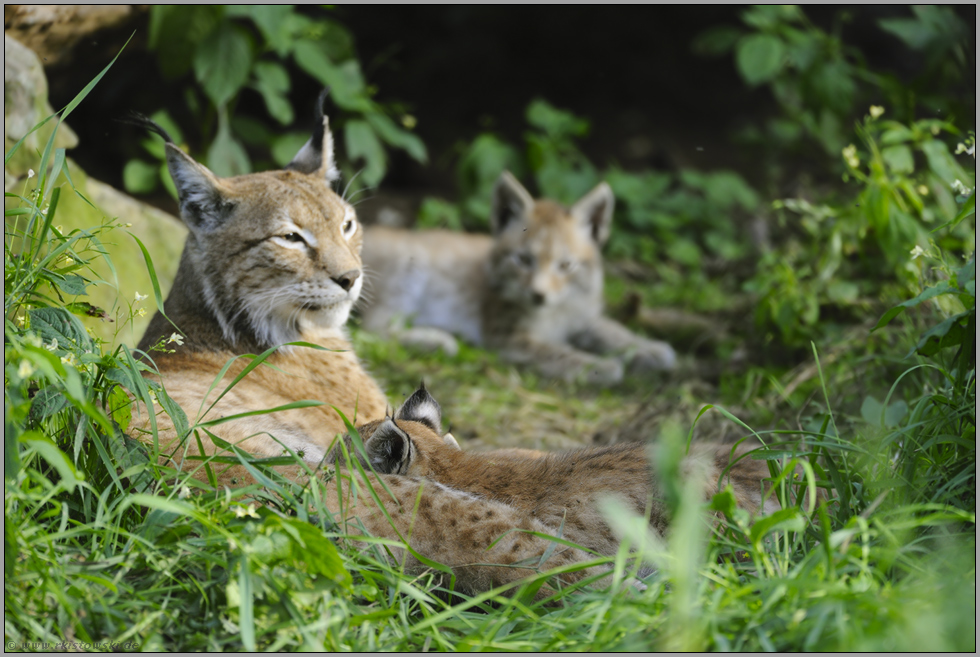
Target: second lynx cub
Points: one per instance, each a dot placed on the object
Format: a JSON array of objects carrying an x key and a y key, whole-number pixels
[{"x": 532, "y": 291}]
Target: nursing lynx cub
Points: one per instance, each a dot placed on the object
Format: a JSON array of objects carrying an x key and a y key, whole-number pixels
[
  {"x": 560, "y": 490},
  {"x": 532, "y": 291}
]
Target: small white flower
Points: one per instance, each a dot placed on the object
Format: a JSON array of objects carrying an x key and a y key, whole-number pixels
[
  {"x": 917, "y": 251},
  {"x": 25, "y": 369},
  {"x": 175, "y": 338},
  {"x": 923, "y": 190},
  {"x": 875, "y": 111},
  {"x": 141, "y": 312},
  {"x": 241, "y": 512},
  {"x": 960, "y": 188},
  {"x": 30, "y": 173},
  {"x": 184, "y": 493},
  {"x": 850, "y": 156},
  {"x": 140, "y": 297},
  {"x": 69, "y": 260},
  {"x": 53, "y": 345}
]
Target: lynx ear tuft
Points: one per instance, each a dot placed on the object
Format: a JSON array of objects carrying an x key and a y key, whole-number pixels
[
  {"x": 316, "y": 155},
  {"x": 594, "y": 212},
  {"x": 389, "y": 449},
  {"x": 421, "y": 407},
  {"x": 509, "y": 202}
]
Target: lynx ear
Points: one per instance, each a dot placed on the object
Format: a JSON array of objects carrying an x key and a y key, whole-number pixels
[
  {"x": 594, "y": 211},
  {"x": 421, "y": 407},
  {"x": 203, "y": 207},
  {"x": 389, "y": 449},
  {"x": 202, "y": 203},
  {"x": 316, "y": 156},
  {"x": 509, "y": 202}
]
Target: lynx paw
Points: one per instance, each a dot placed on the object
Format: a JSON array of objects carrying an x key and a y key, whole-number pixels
[
  {"x": 654, "y": 356},
  {"x": 428, "y": 339},
  {"x": 604, "y": 371}
]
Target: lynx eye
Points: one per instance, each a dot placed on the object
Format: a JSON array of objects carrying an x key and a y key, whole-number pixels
[
  {"x": 294, "y": 237},
  {"x": 523, "y": 259},
  {"x": 566, "y": 266},
  {"x": 348, "y": 228}
]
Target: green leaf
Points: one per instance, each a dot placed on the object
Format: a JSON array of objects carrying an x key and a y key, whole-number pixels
[
  {"x": 222, "y": 63},
  {"x": 951, "y": 332},
  {"x": 398, "y": 137},
  {"x": 898, "y": 158},
  {"x": 140, "y": 177},
  {"x": 942, "y": 163},
  {"x": 926, "y": 294},
  {"x": 285, "y": 148},
  {"x": 362, "y": 143},
  {"x": 72, "y": 284},
  {"x": 272, "y": 81},
  {"x": 759, "y": 58},
  {"x": 556, "y": 123},
  {"x": 916, "y": 34},
  {"x": 968, "y": 210},
  {"x": 120, "y": 407},
  {"x": 58, "y": 324},
  {"x": 47, "y": 402},
  {"x": 782, "y": 520},
  {"x": 175, "y": 32},
  {"x": 56, "y": 458},
  {"x": 227, "y": 156},
  {"x": 347, "y": 88},
  {"x": 273, "y": 22},
  {"x": 716, "y": 41}
]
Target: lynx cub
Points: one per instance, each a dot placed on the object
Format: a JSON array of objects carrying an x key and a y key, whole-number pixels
[
  {"x": 533, "y": 291},
  {"x": 560, "y": 490},
  {"x": 271, "y": 258}
]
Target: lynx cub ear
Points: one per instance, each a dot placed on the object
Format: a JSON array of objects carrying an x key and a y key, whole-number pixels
[
  {"x": 421, "y": 407},
  {"x": 316, "y": 155},
  {"x": 389, "y": 449},
  {"x": 509, "y": 202},
  {"x": 594, "y": 211}
]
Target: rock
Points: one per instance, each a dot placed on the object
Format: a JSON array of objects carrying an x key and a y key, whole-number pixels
[
  {"x": 52, "y": 31},
  {"x": 86, "y": 204},
  {"x": 25, "y": 104}
]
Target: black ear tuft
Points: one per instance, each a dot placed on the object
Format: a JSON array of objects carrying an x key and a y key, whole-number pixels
[
  {"x": 422, "y": 407},
  {"x": 137, "y": 119},
  {"x": 389, "y": 449},
  {"x": 316, "y": 155}
]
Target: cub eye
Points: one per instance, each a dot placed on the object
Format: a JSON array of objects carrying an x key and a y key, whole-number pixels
[
  {"x": 348, "y": 228},
  {"x": 566, "y": 266},
  {"x": 294, "y": 237},
  {"x": 523, "y": 259}
]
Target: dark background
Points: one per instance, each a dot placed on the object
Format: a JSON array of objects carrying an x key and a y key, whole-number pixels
[{"x": 461, "y": 70}]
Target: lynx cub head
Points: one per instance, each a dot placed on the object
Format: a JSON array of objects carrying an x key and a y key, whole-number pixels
[
  {"x": 543, "y": 254},
  {"x": 410, "y": 442},
  {"x": 276, "y": 253}
]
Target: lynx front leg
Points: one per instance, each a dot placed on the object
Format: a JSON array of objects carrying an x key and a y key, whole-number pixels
[
  {"x": 558, "y": 361},
  {"x": 607, "y": 336}
]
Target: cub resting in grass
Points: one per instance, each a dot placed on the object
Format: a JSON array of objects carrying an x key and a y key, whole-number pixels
[
  {"x": 532, "y": 291},
  {"x": 474, "y": 498}
]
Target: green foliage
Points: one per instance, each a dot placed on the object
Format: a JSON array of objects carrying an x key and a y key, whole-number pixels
[
  {"x": 245, "y": 48},
  {"x": 837, "y": 254},
  {"x": 821, "y": 83}
]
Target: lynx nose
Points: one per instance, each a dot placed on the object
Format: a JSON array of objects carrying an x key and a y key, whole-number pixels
[
  {"x": 347, "y": 279},
  {"x": 537, "y": 298}
]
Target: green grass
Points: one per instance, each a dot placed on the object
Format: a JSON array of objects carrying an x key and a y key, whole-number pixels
[{"x": 104, "y": 548}]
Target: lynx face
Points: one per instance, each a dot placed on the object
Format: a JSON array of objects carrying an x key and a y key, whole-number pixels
[
  {"x": 545, "y": 255},
  {"x": 275, "y": 254},
  {"x": 284, "y": 257}
]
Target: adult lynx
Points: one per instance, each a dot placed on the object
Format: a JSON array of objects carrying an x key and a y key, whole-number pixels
[
  {"x": 271, "y": 258},
  {"x": 532, "y": 291}
]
